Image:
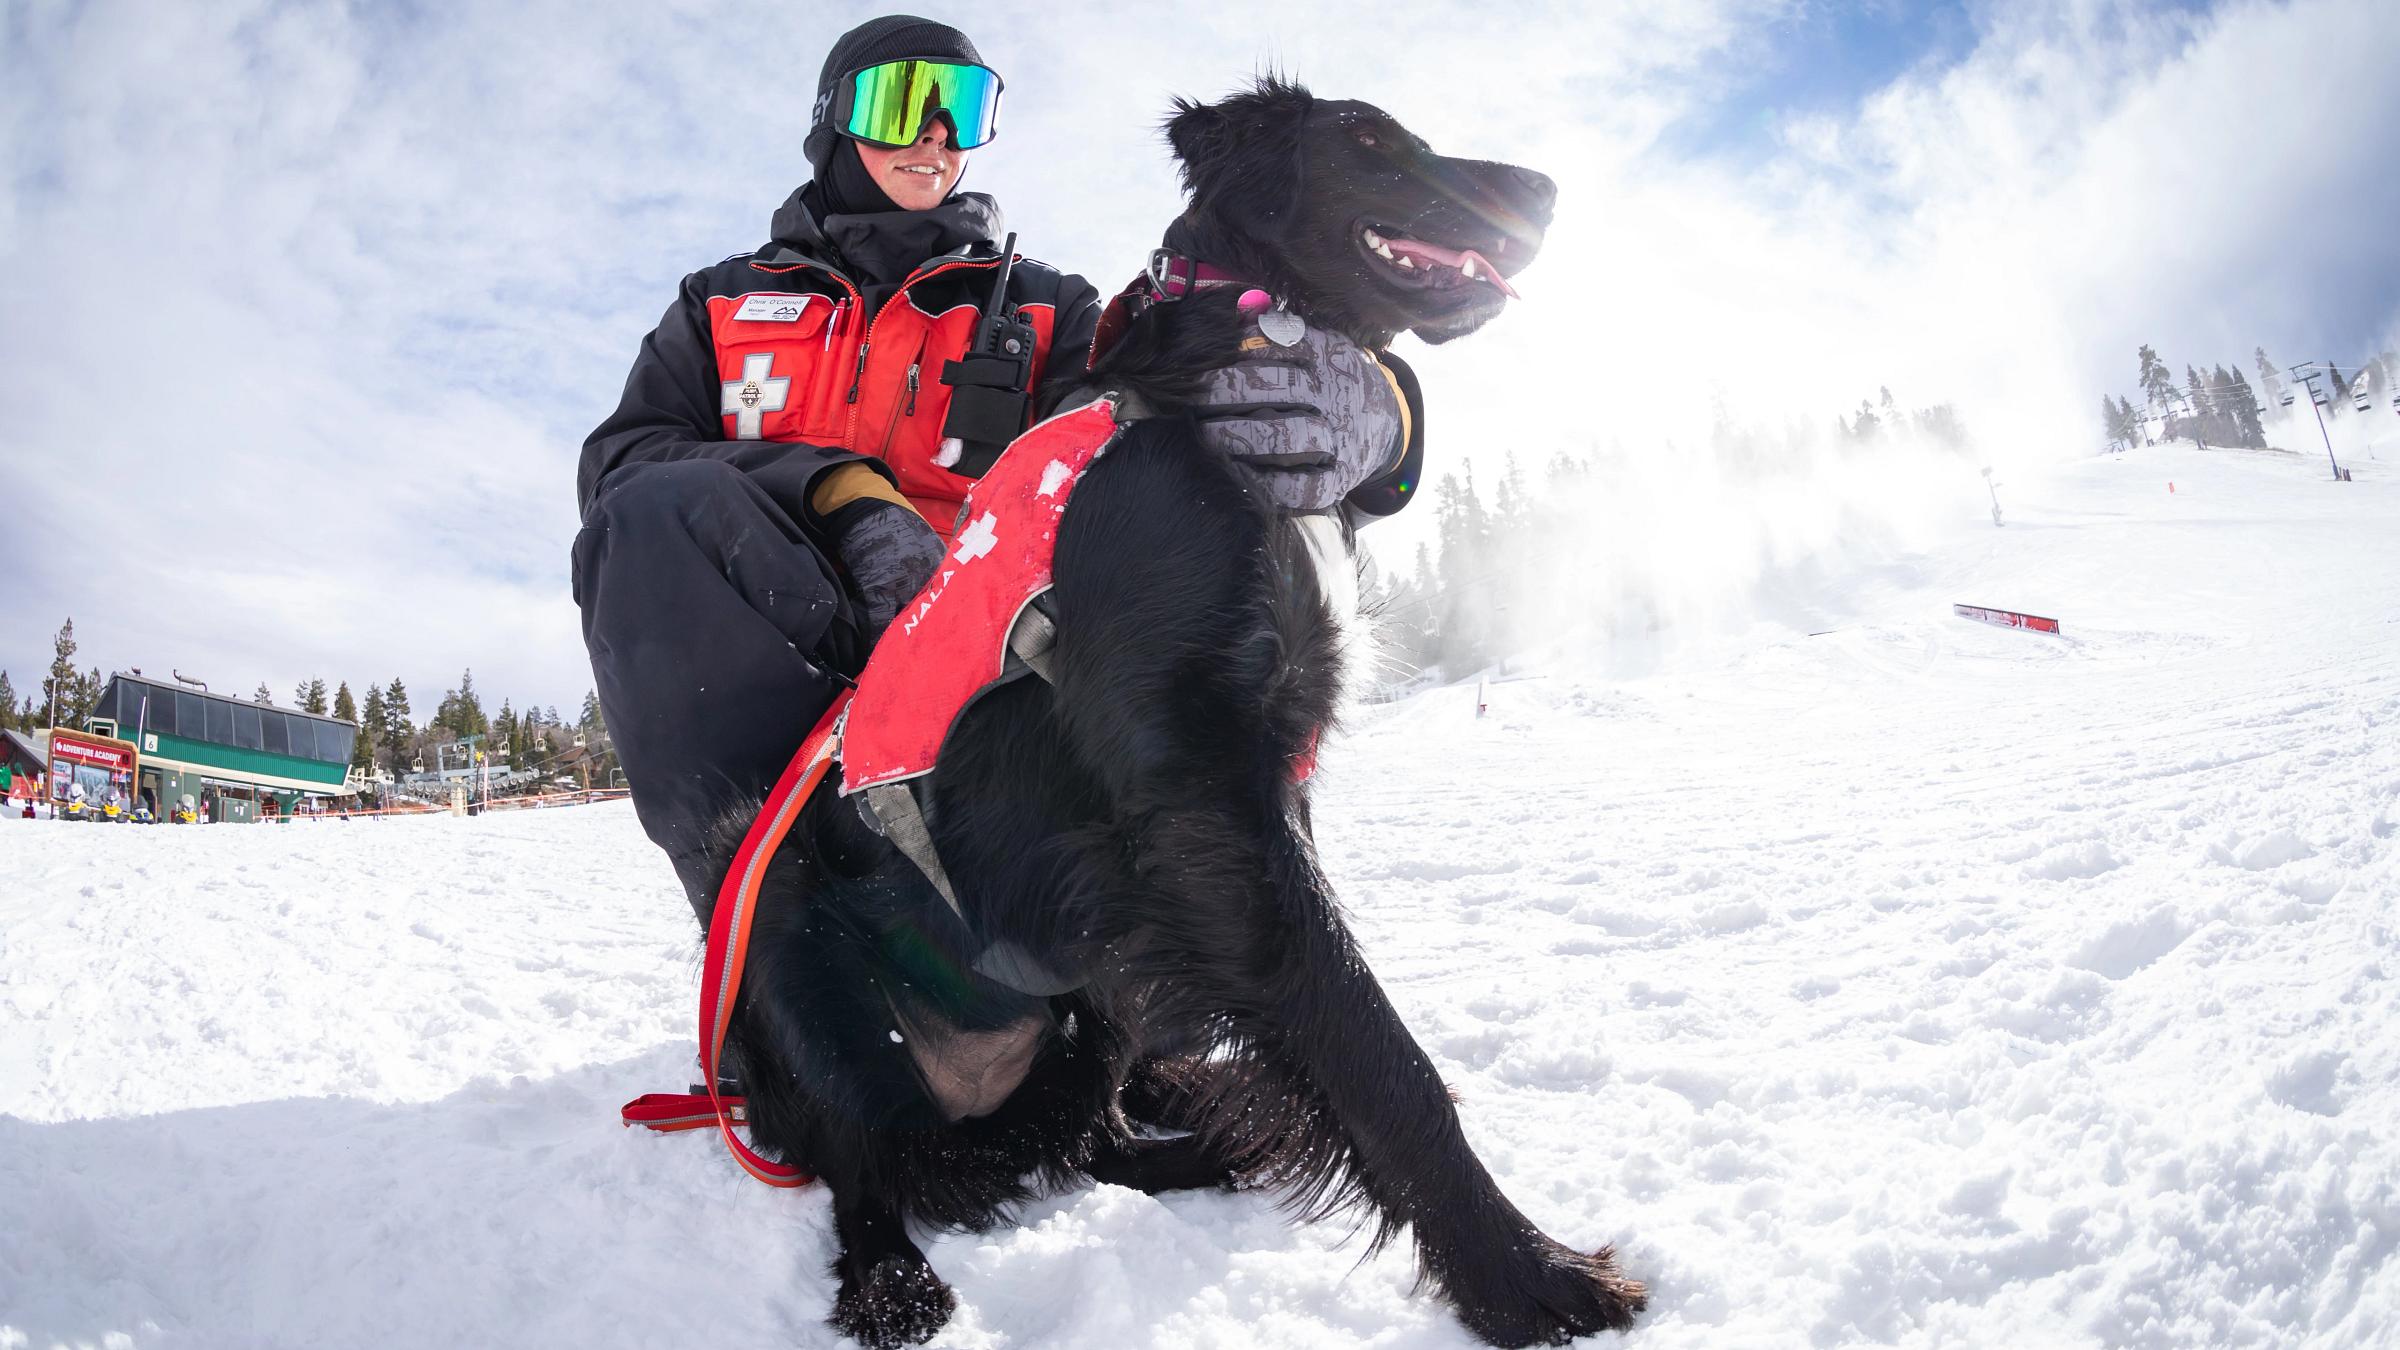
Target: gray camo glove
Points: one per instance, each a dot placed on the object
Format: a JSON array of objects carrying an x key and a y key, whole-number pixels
[
  {"x": 1306, "y": 424},
  {"x": 890, "y": 553}
]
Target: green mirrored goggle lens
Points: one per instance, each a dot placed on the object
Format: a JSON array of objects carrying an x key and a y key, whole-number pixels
[{"x": 890, "y": 103}]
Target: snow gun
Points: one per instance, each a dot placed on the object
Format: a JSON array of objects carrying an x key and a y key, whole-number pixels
[{"x": 987, "y": 389}]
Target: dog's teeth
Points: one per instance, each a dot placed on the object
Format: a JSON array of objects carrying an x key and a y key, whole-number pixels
[
  {"x": 1468, "y": 267},
  {"x": 1408, "y": 262},
  {"x": 1374, "y": 240},
  {"x": 1383, "y": 248}
]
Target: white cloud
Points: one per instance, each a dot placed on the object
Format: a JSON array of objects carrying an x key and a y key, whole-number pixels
[
  {"x": 324, "y": 298},
  {"x": 2000, "y": 234}
]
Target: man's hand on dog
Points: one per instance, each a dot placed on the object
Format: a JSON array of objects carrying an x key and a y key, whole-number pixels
[
  {"x": 1309, "y": 422},
  {"x": 891, "y": 553}
]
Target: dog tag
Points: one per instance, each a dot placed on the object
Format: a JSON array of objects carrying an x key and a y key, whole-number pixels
[{"x": 1282, "y": 327}]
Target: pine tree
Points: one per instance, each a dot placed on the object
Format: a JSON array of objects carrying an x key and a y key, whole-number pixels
[
  {"x": 2247, "y": 414},
  {"x": 58, "y": 691},
  {"x": 461, "y": 712},
  {"x": 87, "y": 696},
  {"x": 504, "y": 733},
  {"x": 1463, "y": 619},
  {"x": 2110, "y": 425},
  {"x": 2158, "y": 387},
  {"x": 1868, "y": 424},
  {"x": 1405, "y": 622},
  {"x": 312, "y": 697},
  {"x": 594, "y": 726},
  {"x": 2224, "y": 409},
  {"x": 2268, "y": 380},
  {"x": 398, "y": 731},
  {"x": 344, "y": 706},
  {"x": 370, "y": 729},
  {"x": 262, "y": 696},
  {"x": 1942, "y": 426},
  {"x": 8, "y": 702}
]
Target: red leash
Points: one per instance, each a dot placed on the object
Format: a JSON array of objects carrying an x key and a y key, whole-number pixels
[{"x": 728, "y": 948}]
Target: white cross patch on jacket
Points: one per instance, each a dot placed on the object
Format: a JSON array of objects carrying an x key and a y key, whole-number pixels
[{"x": 749, "y": 399}]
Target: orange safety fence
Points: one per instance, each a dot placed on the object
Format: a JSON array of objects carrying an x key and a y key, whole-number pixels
[{"x": 528, "y": 802}]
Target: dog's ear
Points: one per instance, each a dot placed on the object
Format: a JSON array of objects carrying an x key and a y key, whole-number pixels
[
  {"x": 1254, "y": 132},
  {"x": 1201, "y": 134}
]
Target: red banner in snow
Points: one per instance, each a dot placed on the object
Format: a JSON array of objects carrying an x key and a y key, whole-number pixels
[{"x": 2006, "y": 618}]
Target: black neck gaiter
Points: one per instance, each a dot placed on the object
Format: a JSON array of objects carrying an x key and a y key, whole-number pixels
[{"x": 849, "y": 189}]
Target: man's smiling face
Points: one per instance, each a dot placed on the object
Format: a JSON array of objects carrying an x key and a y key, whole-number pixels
[{"x": 916, "y": 177}]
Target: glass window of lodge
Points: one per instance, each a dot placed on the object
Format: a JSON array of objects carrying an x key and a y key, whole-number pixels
[{"x": 159, "y": 717}]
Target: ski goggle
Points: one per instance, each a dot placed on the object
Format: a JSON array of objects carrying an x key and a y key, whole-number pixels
[{"x": 890, "y": 103}]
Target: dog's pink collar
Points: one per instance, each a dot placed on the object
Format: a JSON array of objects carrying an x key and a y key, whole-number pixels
[
  {"x": 1173, "y": 276},
  {"x": 1170, "y": 276}
]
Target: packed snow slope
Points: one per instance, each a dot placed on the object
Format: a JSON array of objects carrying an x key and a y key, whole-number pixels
[{"x": 1919, "y": 983}]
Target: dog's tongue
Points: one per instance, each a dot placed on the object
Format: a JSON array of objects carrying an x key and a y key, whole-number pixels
[{"x": 1454, "y": 257}]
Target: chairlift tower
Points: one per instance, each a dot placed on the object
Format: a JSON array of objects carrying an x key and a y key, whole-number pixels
[{"x": 2307, "y": 373}]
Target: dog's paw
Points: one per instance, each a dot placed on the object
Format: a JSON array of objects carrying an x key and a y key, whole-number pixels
[
  {"x": 1156, "y": 1166},
  {"x": 1548, "y": 1295},
  {"x": 898, "y": 1302}
]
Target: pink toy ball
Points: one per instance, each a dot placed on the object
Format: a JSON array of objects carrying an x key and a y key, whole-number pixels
[{"x": 1254, "y": 300}]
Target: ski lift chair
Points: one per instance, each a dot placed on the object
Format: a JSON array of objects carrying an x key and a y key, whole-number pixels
[
  {"x": 2288, "y": 398},
  {"x": 2361, "y": 402}
]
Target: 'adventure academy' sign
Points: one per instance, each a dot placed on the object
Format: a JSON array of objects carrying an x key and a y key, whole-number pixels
[{"x": 85, "y": 752}]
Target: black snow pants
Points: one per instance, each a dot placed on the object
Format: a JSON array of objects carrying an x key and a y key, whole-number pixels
[{"x": 716, "y": 624}]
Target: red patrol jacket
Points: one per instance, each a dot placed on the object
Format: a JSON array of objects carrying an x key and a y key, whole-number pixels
[{"x": 800, "y": 358}]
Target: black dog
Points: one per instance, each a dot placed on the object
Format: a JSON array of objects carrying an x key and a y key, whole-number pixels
[{"x": 1129, "y": 833}]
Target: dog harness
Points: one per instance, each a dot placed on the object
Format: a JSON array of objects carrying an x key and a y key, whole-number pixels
[{"x": 976, "y": 626}]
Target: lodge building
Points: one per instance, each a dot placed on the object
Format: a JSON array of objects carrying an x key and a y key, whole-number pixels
[{"x": 234, "y": 758}]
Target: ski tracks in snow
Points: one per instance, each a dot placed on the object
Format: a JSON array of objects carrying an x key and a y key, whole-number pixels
[
  {"x": 1927, "y": 983},
  {"x": 1917, "y": 984}
]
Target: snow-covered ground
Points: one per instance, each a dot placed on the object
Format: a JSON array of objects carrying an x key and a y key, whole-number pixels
[{"x": 1917, "y": 983}]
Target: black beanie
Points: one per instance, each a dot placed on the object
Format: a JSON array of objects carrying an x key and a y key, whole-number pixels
[{"x": 894, "y": 37}]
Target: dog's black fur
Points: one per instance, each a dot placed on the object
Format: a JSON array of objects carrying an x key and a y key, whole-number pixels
[{"x": 1134, "y": 825}]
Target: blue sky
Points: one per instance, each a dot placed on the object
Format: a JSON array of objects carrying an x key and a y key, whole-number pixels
[
  {"x": 328, "y": 295},
  {"x": 1817, "y": 58}
]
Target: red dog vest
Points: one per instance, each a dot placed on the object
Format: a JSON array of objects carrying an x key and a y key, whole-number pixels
[{"x": 953, "y": 642}]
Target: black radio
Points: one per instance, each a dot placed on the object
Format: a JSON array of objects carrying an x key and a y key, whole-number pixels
[{"x": 987, "y": 389}]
